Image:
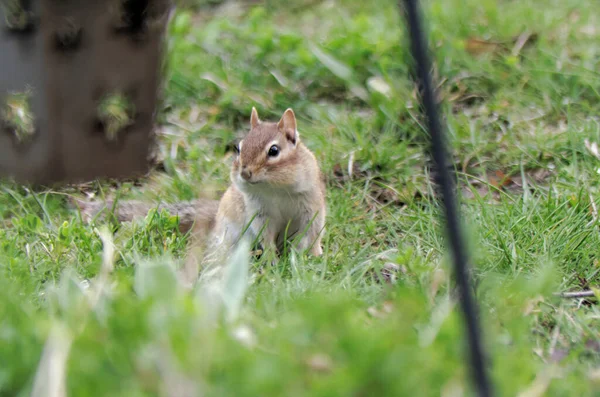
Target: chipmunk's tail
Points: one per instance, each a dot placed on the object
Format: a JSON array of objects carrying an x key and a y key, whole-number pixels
[{"x": 201, "y": 211}]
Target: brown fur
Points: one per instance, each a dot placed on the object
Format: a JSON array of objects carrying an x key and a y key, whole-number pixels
[
  {"x": 281, "y": 189},
  {"x": 288, "y": 188}
]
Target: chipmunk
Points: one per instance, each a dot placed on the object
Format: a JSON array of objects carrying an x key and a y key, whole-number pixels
[{"x": 277, "y": 192}]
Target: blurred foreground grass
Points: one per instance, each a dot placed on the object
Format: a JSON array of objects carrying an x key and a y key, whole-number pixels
[{"x": 373, "y": 316}]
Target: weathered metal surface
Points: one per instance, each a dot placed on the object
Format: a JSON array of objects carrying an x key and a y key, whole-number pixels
[{"x": 77, "y": 54}]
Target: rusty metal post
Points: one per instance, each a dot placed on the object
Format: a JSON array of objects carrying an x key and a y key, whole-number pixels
[{"x": 72, "y": 59}]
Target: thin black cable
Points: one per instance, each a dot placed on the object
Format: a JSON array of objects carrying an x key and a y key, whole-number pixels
[{"x": 445, "y": 181}]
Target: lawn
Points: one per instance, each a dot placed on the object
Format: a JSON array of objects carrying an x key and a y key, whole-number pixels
[{"x": 519, "y": 85}]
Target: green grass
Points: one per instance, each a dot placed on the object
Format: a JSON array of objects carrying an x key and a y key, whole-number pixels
[{"x": 333, "y": 325}]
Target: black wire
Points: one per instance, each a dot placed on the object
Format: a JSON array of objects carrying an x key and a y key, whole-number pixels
[{"x": 446, "y": 183}]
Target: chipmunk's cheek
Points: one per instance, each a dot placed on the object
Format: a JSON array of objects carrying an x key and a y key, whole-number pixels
[{"x": 264, "y": 176}]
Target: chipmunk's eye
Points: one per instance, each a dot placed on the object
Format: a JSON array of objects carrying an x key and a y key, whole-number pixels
[
  {"x": 273, "y": 151},
  {"x": 237, "y": 147}
]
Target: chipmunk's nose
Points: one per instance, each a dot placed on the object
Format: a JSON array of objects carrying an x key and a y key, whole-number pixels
[{"x": 246, "y": 173}]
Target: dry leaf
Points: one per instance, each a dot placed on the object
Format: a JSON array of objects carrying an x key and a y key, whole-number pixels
[
  {"x": 525, "y": 39},
  {"x": 245, "y": 336},
  {"x": 499, "y": 179},
  {"x": 592, "y": 147},
  {"x": 475, "y": 46},
  {"x": 320, "y": 362},
  {"x": 378, "y": 84}
]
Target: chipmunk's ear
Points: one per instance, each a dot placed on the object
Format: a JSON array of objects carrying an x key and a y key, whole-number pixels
[
  {"x": 287, "y": 125},
  {"x": 254, "y": 120}
]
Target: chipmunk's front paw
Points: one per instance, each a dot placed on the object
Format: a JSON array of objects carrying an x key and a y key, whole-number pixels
[
  {"x": 316, "y": 250},
  {"x": 311, "y": 246}
]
